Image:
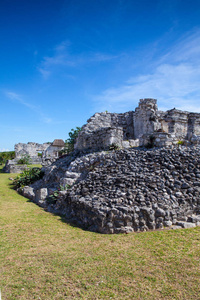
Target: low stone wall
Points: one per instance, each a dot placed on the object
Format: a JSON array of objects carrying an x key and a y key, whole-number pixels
[
  {"x": 12, "y": 165},
  {"x": 13, "y": 168},
  {"x": 125, "y": 190},
  {"x": 104, "y": 129}
]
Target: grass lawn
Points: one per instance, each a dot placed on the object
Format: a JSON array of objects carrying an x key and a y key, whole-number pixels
[
  {"x": 32, "y": 166},
  {"x": 43, "y": 257}
]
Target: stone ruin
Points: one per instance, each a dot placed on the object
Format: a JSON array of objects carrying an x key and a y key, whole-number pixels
[
  {"x": 139, "y": 128},
  {"x": 124, "y": 190},
  {"x": 132, "y": 188},
  {"x": 39, "y": 154}
]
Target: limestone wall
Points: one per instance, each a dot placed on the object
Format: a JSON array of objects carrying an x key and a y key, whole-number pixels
[
  {"x": 104, "y": 129},
  {"x": 136, "y": 128},
  {"x": 49, "y": 151},
  {"x": 52, "y": 151},
  {"x": 194, "y": 123},
  {"x": 31, "y": 149},
  {"x": 145, "y": 118}
]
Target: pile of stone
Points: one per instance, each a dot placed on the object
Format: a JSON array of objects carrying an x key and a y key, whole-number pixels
[{"x": 125, "y": 190}]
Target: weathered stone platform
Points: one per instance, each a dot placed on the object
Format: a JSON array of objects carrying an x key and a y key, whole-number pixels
[{"x": 125, "y": 190}]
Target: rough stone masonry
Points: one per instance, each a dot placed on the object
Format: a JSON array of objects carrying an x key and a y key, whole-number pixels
[
  {"x": 136, "y": 128},
  {"x": 131, "y": 189},
  {"x": 125, "y": 190}
]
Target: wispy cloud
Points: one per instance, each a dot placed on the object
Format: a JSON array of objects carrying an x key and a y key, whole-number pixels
[
  {"x": 45, "y": 73},
  {"x": 19, "y": 98},
  {"x": 14, "y": 96},
  {"x": 100, "y": 57},
  {"x": 62, "y": 57},
  {"x": 174, "y": 80}
]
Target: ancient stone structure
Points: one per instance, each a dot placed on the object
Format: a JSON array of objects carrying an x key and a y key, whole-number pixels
[
  {"x": 139, "y": 127},
  {"x": 131, "y": 189},
  {"x": 49, "y": 153},
  {"x": 53, "y": 149},
  {"x": 31, "y": 149},
  {"x": 124, "y": 190}
]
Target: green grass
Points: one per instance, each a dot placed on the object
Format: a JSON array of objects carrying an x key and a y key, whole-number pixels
[
  {"x": 32, "y": 166},
  {"x": 43, "y": 257}
]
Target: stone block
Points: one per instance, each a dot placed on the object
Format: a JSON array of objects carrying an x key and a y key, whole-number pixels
[
  {"x": 125, "y": 144},
  {"x": 41, "y": 194},
  {"x": 186, "y": 224},
  {"x": 28, "y": 192}
]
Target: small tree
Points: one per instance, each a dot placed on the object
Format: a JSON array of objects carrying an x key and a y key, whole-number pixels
[
  {"x": 73, "y": 134},
  {"x": 70, "y": 142}
]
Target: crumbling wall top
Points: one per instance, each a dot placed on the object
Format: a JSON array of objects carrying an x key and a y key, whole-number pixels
[
  {"x": 147, "y": 103},
  {"x": 141, "y": 124}
]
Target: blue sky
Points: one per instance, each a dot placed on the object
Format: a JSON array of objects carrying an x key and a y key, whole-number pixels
[{"x": 63, "y": 60}]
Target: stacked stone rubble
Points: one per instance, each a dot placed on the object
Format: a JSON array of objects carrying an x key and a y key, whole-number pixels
[{"x": 125, "y": 190}]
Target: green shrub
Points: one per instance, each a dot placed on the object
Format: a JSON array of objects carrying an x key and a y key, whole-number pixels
[
  {"x": 53, "y": 198},
  {"x": 28, "y": 177},
  {"x": 180, "y": 143},
  {"x": 24, "y": 160}
]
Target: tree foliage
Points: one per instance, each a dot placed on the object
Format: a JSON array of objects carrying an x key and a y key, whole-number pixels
[
  {"x": 73, "y": 134},
  {"x": 70, "y": 142},
  {"x": 4, "y": 156}
]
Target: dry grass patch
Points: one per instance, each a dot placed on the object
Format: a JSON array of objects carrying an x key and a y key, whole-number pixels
[{"x": 43, "y": 257}]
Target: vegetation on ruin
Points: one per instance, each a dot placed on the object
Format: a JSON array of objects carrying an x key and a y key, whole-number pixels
[
  {"x": 24, "y": 160},
  {"x": 44, "y": 257},
  {"x": 70, "y": 142},
  {"x": 28, "y": 177},
  {"x": 54, "y": 196}
]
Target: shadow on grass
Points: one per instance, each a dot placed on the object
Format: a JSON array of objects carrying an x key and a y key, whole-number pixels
[
  {"x": 11, "y": 186},
  {"x": 62, "y": 218},
  {"x": 69, "y": 221}
]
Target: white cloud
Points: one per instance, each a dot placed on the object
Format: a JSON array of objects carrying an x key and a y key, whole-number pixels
[
  {"x": 60, "y": 57},
  {"x": 12, "y": 95},
  {"x": 46, "y": 119},
  {"x": 19, "y": 98},
  {"x": 44, "y": 73},
  {"x": 63, "y": 58},
  {"x": 100, "y": 57},
  {"x": 175, "y": 81},
  {"x": 186, "y": 49}
]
